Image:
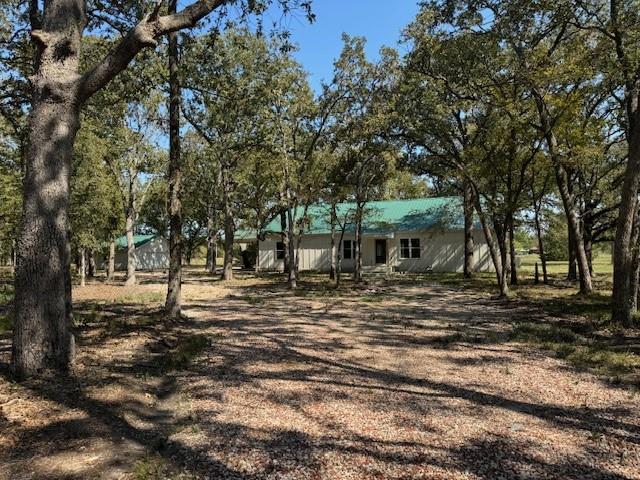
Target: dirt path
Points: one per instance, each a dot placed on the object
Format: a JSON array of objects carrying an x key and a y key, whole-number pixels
[{"x": 406, "y": 381}]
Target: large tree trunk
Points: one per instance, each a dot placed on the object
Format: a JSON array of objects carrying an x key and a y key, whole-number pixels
[
  {"x": 624, "y": 276},
  {"x": 292, "y": 278},
  {"x": 635, "y": 265},
  {"x": 494, "y": 249},
  {"x": 285, "y": 239},
  {"x": 229, "y": 233},
  {"x": 357, "y": 272},
  {"x": 91, "y": 257},
  {"x": 334, "y": 249},
  {"x": 469, "y": 264},
  {"x": 512, "y": 252},
  {"x": 568, "y": 202},
  {"x": 503, "y": 248},
  {"x": 42, "y": 337},
  {"x": 212, "y": 238},
  {"x": 339, "y": 258},
  {"x": 586, "y": 286},
  {"x": 82, "y": 270},
  {"x": 587, "y": 232},
  {"x": 111, "y": 261},
  {"x": 572, "y": 272},
  {"x": 174, "y": 282},
  {"x": 543, "y": 258},
  {"x": 131, "y": 248}
]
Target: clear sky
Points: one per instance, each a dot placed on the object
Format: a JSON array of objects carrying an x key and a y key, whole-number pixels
[{"x": 380, "y": 21}]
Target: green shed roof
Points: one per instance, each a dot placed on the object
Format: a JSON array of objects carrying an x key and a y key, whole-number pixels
[
  {"x": 138, "y": 240},
  {"x": 387, "y": 216}
]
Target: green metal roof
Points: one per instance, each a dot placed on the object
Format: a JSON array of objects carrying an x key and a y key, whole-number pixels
[
  {"x": 138, "y": 240},
  {"x": 387, "y": 216},
  {"x": 243, "y": 234}
]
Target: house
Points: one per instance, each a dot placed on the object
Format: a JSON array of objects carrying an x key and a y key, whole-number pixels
[
  {"x": 152, "y": 253},
  {"x": 399, "y": 235}
]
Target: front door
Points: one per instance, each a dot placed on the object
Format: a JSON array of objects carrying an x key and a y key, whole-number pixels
[{"x": 381, "y": 251}]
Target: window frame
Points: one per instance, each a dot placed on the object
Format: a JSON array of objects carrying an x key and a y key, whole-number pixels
[
  {"x": 410, "y": 248},
  {"x": 280, "y": 252}
]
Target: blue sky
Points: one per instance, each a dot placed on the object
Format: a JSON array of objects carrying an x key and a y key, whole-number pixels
[{"x": 380, "y": 21}]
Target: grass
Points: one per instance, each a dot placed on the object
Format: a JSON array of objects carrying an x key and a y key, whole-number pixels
[
  {"x": 602, "y": 266},
  {"x": 187, "y": 350},
  {"x": 250, "y": 299},
  {"x": 579, "y": 348},
  {"x": 6, "y": 294},
  {"x": 154, "y": 467},
  {"x": 146, "y": 298},
  {"x": 6, "y": 323},
  {"x": 373, "y": 298}
]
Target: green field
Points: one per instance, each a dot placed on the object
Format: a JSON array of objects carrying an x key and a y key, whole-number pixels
[{"x": 602, "y": 265}]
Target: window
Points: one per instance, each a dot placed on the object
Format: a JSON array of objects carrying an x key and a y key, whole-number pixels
[
  {"x": 347, "y": 249},
  {"x": 280, "y": 250},
  {"x": 409, "y": 248}
]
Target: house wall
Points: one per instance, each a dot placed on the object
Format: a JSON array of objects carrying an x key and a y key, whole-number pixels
[
  {"x": 315, "y": 254},
  {"x": 440, "y": 251},
  {"x": 153, "y": 255}
]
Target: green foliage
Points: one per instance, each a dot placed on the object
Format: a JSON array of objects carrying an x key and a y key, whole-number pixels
[
  {"x": 556, "y": 238},
  {"x": 6, "y": 323},
  {"x": 95, "y": 208}
]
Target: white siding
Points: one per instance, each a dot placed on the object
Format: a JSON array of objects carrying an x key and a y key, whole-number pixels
[
  {"x": 440, "y": 251},
  {"x": 153, "y": 255}
]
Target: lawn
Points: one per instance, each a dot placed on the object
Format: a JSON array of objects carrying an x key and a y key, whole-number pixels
[
  {"x": 408, "y": 377},
  {"x": 602, "y": 266}
]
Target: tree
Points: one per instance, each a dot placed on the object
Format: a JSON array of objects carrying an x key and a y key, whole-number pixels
[
  {"x": 453, "y": 115},
  {"x": 174, "y": 282},
  {"x": 614, "y": 23},
  {"x": 132, "y": 160},
  {"x": 94, "y": 212},
  {"x": 42, "y": 333},
  {"x": 229, "y": 118},
  {"x": 362, "y": 125}
]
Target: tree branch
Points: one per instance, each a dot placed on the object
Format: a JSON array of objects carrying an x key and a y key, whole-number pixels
[{"x": 145, "y": 34}]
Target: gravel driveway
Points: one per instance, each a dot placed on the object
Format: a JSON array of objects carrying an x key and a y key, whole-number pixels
[{"x": 399, "y": 381}]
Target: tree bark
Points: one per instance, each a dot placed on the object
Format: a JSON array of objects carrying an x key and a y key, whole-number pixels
[
  {"x": 357, "y": 272},
  {"x": 568, "y": 202},
  {"x": 111, "y": 263},
  {"x": 82, "y": 270},
  {"x": 292, "y": 278},
  {"x": 512, "y": 253},
  {"x": 334, "y": 250},
  {"x": 42, "y": 337},
  {"x": 91, "y": 271},
  {"x": 212, "y": 238},
  {"x": 635, "y": 264},
  {"x": 572, "y": 272},
  {"x": 541, "y": 254},
  {"x": 131, "y": 247},
  {"x": 469, "y": 263},
  {"x": 494, "y": 249},
  {"x": 624, "y": 303},
  {"x": 285, "y": 239},
  {"x": 229, "y": 233},
  {"x": 173, "y": 307}
]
